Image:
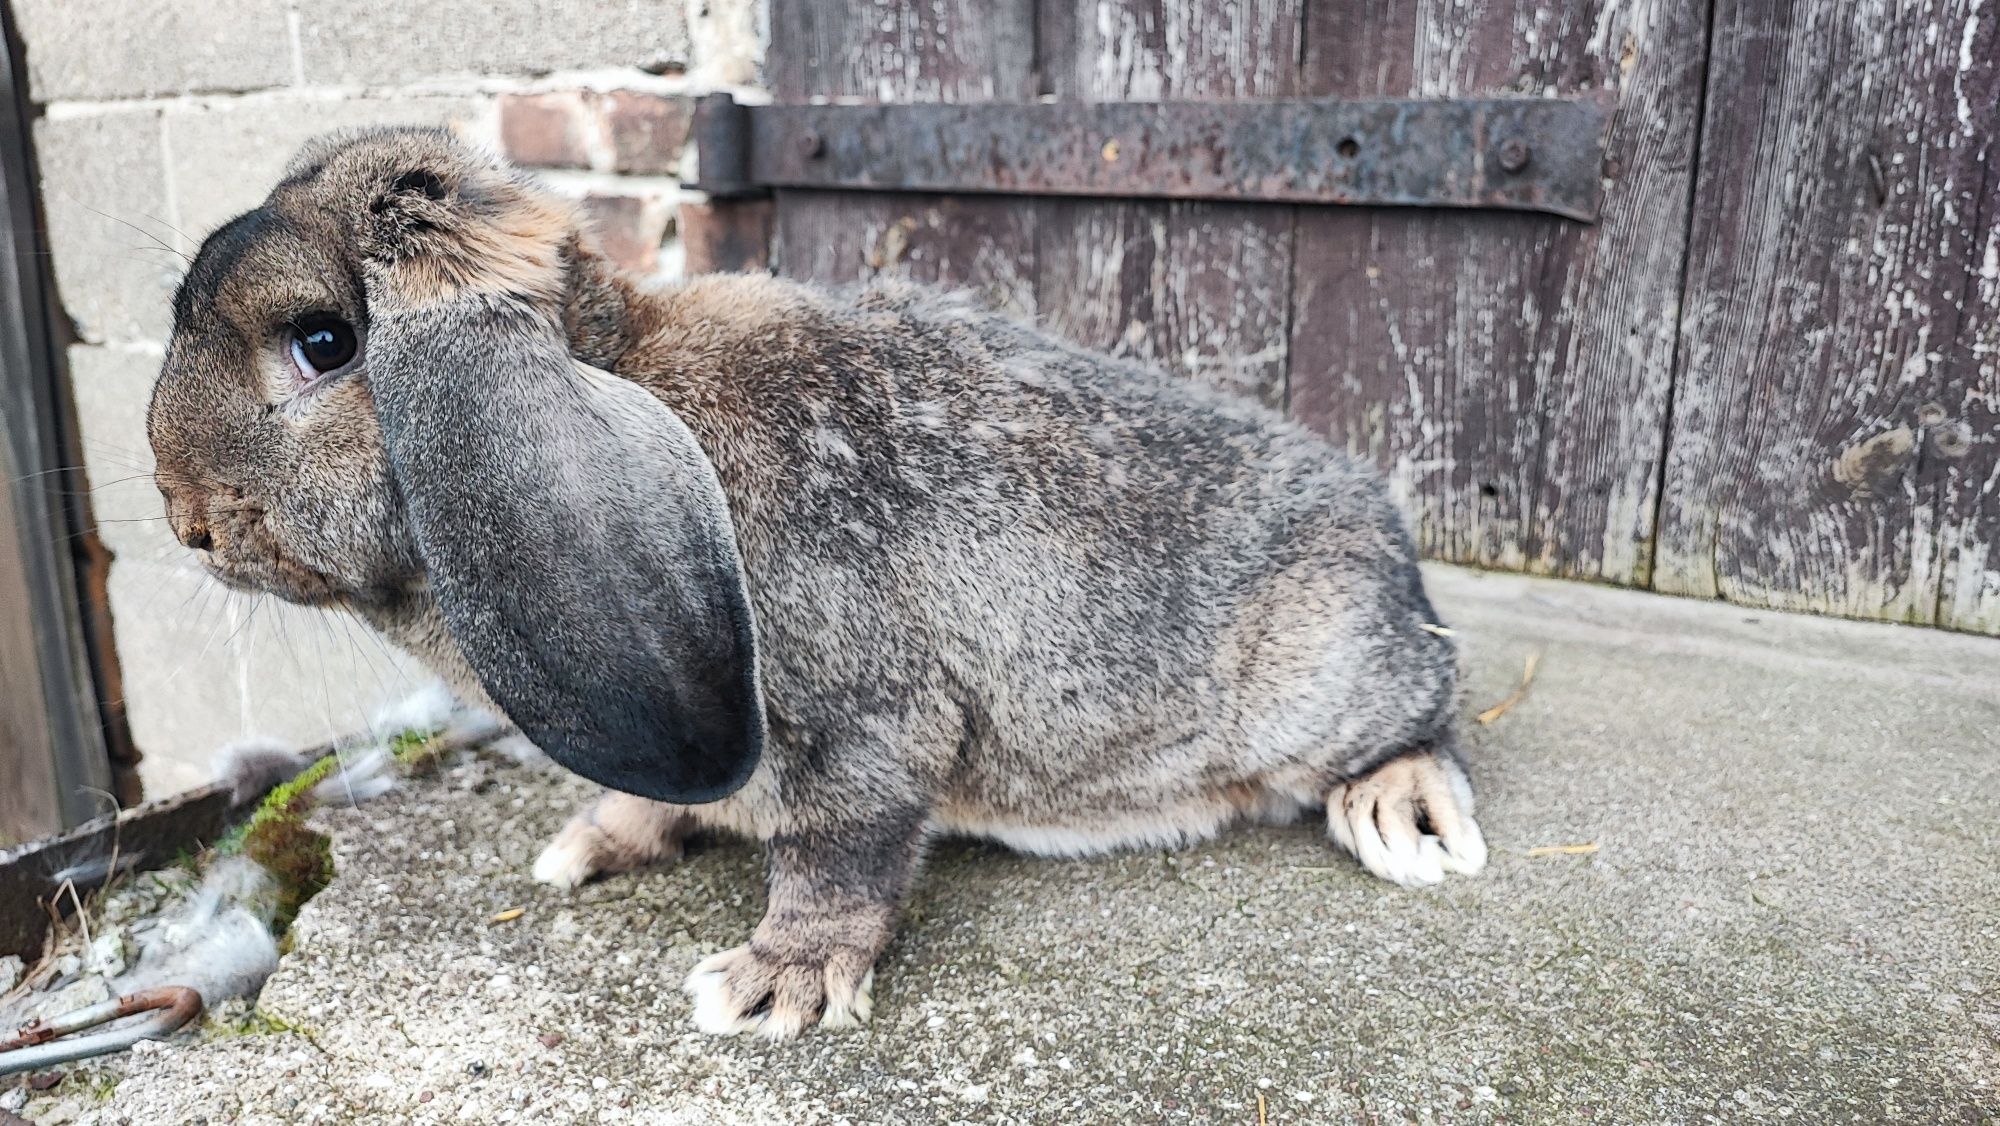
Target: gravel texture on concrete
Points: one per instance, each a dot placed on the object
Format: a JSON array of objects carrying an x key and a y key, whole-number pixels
[{"x": 1792, "y": 910}]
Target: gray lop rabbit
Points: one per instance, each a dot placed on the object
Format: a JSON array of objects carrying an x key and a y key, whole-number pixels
[{"x": 837, "y": 571}]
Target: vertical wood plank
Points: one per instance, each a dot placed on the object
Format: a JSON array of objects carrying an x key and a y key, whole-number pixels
[
  {"x": 28, "y": 790},
  {"x": 1837, "y": 317},
  {"x": 52, "y": 748},
  {"x": 903, "y": 50},
  {"x": 726, "y": 236},
  {"x": 1509, "y": 372},
  {"x": 897, "y": 51},
  {"x": 1965, "y": 441},
  {"x": 1198, "y": 288},
  {"x": 983, "y": 243}
]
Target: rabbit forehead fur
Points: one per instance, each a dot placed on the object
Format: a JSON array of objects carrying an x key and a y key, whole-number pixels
[{"x": 995, "y": 577}]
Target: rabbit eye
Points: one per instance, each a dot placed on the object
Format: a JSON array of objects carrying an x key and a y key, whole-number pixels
[{"x": 322, "y": 344}]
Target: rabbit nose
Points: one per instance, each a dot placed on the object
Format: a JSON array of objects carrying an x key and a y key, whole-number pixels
[{"x": 187, "y": 515}]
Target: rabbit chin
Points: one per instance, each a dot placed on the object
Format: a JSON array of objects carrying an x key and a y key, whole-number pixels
[{"x": 289, "y": 581}]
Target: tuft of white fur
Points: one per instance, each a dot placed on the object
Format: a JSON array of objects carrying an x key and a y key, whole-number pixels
[
  {"x": 427, "y": 709},
  {"x": 850, "y": 1012},
  {"x": 433, "y": 711},
  {"x": 718, "y": 1015},
  {"x": 520, "y": 750},
  {"x": 219, "y": 943},
  {"x": 361, "y": 774},
  {"x": 1374, "y": 817},
  {"x": 254, "y": 765},
  {"x": 472, "y": 726}
]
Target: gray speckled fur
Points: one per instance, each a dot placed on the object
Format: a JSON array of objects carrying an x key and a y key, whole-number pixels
[{"x": 1005, "y": 579}]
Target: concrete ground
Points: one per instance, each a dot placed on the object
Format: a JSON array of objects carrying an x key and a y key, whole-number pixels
[{"x": 1792, "y": 911}]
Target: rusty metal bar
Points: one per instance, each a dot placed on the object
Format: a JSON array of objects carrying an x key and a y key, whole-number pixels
[
  {"x": 41, "y": 1044},
  {"x": 1524, "y": 154},
  {"x": 721, "y": 134}
]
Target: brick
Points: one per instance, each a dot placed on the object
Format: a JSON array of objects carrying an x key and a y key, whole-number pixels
[
  {"x": 393, "y": 42},
  {"x": 94, "y": 49},
  {"x": 730, "y": 236},
  {"x": 629, "y": 228},
  {"x": 110, "y": 387},
  {"x": 648, "y": 132},
  {"x": 104, "y": 192},
  {"x": 226, "y": 156},
  {"x": 545, "y": 130}
]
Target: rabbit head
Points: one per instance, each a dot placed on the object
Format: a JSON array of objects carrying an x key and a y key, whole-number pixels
[
  {"x": 269, "y": 453},
  {"x": 372, "y": 394}
]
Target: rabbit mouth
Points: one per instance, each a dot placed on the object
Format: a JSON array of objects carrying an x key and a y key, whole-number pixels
[{"x": 289, "y": 581}]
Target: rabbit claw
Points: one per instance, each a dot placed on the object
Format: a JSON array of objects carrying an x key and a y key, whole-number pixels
[
  {"x": 1408, "y": 821},
  {"x": 747, "y": 989}
]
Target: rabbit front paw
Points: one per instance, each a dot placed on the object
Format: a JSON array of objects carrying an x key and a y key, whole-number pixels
[
  {"x": 621, "y": 832},
  {"x": 748, "y": 989},
  {"x": 1409, "y": 820},
  {"x": 834, "y": 892}
]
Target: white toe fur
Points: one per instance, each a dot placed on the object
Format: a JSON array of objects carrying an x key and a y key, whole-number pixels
[
  {"x": 719, "y": 1007},
  {"x": 713, "y": 1011},
  {"x": 618, "y": 834},
  {"x": 849, "y": 1012},
  {"x": 1467, "y": 855},
  {"x": 568, "y": 861},
  {"x": 1376, "y": 818}
]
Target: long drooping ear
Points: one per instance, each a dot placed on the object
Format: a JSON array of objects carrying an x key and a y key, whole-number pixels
[{"x": 578, "y": 543}]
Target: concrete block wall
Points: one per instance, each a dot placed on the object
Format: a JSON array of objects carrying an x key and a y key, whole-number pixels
[{"x": 160, "y": 119}]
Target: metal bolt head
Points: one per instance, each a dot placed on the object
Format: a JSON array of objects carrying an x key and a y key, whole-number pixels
[
  {"x": 811, "y": 144},
  {"x": 1514, "y": 154}
]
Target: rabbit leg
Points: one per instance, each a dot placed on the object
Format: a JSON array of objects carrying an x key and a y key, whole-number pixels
[
  {"x": 1409, "y": 820},
  {"x": 617, "y": 834},
  {"x": 834, "y": 895}
]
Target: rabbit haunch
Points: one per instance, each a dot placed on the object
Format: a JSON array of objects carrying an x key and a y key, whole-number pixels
[{"x": 1000, "y": 584}]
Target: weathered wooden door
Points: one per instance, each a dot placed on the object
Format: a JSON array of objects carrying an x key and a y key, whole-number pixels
[
  {"x": 1765, "y": 373},
  {"x": 53, "y": 767}
]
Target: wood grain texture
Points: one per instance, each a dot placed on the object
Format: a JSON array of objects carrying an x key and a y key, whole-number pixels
[
  {"x": 1966, "y": 443},
  {"x": 28, "y": 793},
  {"x": 1202, "y": 289},
  {"x": 982, "y": 243},
  {"x": 1197, "y": 288},
  {"x": 899, "y": 51},
  {"x": 1510, "y": 373},
  {"x": 52, "y": 754},
  {"x": 1838, "y": 329},
  {"x": 1776, "y": 383},
  {"x": 903, "y": 50}
]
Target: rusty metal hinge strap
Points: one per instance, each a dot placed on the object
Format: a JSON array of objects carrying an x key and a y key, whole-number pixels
[{"x": 1523, "y": 154}]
